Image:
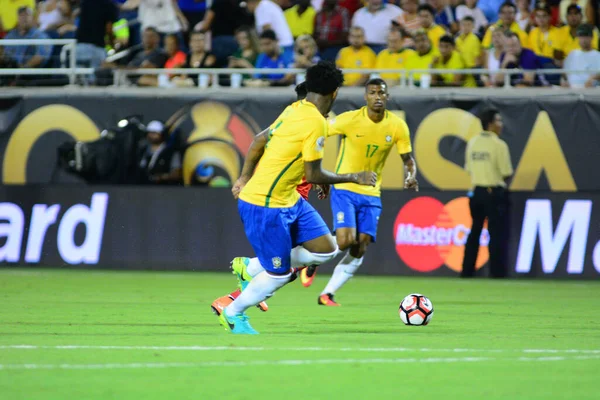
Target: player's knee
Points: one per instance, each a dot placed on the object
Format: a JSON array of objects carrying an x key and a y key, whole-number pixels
[
  {"x": 345, "y": 241},
  {"x": 322, "y": 258}
]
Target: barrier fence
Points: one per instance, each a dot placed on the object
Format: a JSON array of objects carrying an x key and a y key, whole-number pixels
[{"x": 551, "y": 235}]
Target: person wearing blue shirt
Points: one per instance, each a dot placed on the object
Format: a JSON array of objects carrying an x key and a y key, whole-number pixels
[
  {"x": 271, "y": 56},
  {"x": 27, "y": 56}
]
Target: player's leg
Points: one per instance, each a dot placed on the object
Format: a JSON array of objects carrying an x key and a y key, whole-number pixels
[
  {"x": 312, "y": 238},
  {"x": 367, "y": 220},
  {"x": 477, "y": 208}
]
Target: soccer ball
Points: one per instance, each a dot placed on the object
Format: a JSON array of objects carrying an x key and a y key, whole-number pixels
[{"x": 416, "y": 309}]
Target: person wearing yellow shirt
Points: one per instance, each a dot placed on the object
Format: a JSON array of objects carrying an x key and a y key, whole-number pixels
[
  {"x": 508, "y": 13},
  {"x": 426, "y": 16},
  {"x": 449, "y": 58},
  {"x": 357, "y": 55},
  {"x": 567, "y": 40},
  {"x": 424, "y": 56},
  {"x": 542, "y": 39},
  {"x": 393, "y": 57},
  {"x": 9, "y": 10},
  {"x": 468, "y": 44},
  {"x": 301, "y": 18}
]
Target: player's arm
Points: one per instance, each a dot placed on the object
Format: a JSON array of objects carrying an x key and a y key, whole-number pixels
[
  {"x": 410, "y": 171},
  {"x": 255, "y": 153},
  {"x": 315, "y": 174}
]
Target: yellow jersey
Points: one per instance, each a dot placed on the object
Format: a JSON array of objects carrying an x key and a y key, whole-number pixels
[
  {"x": 487, "y": 38},
  {"x": 297, "y": 136},
  {"x": 300, "y": 24},
  {"x": 543, "y": 43},
  {"x": 434, "y": 33},
  {"x": 567, "y": 43},
  {"x": 9, "y": 10},
  {"x": 469, "y": 47},
  {"x": 417, "y": 61},
  {"x": 455, "y": 62},
  {"x": 348, "y": 57},
  {"x": 366, "y": 145},
  {"x": 392, "y": 60}
]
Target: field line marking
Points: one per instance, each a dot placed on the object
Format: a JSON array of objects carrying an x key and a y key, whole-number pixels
[
  {"x": 316, "y": 349},
  {"x": 211, "y": 364}
]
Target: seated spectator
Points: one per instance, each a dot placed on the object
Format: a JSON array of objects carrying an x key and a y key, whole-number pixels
[
  {"x": 508, "y": 12},
  {"x": 306, "y": 52},
  {"x": 567, "y": 40},
  {"x": 9, "y": 11},
  {"x": 177, "y": 59},
  {"x": 67, "y": 27},
  {"x": 585, "y": 58},
  {"x": 468, "y": 45},
  {"x": 48, "y": 15},
  {"x": 332, "y": 25},
  {"x": 515, "y": 56},
  {"x": 151, "y": 55},
  {"x": 408, "y": 21},
  {"x": 247, "y": 53},
  {"x": 159, "y": 162},
  {"x": 198, "y": 58},
  {"x": 444, "y": 15},
  {"x": 269, "y": 16},
  {"x": 393, "y": 57},
  {"x": 424, "y": 56},
  {"x": 449, "y": 58},
  {"x": 470, "y": 9},
  {"x": 194, "y": 12},
  {"x": 222, "y": 20},
  {"x": 95, "y": 21},
  {"x": 162, "y": 15},
  {"x": 434, "y": 31},
  {"x": 301, "y": 18},
  {"x": 271, "y": 57},
  {"x": 542, "y": 38},
  {"x": 376, "y": 21},
  {"x": 491, "y": 57},
  {"x": 524, "y": 16},
  {"x": 357, "y": 55},
  {"x": 27, "y": 56},
  {"x": 584, "y": 5}
]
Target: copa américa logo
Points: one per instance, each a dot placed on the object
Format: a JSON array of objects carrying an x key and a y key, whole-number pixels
[{"x": 430, "y": 234}]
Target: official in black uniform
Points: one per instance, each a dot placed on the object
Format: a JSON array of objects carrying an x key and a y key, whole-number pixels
[{"x": 487, "y": 160}]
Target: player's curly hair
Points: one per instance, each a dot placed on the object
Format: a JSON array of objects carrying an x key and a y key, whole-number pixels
[
  {"x": 324, "y": 78},
  {"x": 301, "y": 91}
]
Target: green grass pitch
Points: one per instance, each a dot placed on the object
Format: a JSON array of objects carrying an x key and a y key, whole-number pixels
[{"x": 151, "y": 335}]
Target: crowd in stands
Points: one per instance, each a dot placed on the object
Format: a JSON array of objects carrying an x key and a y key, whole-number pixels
[{"x": 400, "y": 35}]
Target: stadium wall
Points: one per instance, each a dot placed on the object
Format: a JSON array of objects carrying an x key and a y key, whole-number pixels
[
  {"x": 553, "y": 235},
  {"x": 552, "y": 136}
]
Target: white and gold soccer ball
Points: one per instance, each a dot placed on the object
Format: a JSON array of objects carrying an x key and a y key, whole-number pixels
[{"x": 416, "y": 310}]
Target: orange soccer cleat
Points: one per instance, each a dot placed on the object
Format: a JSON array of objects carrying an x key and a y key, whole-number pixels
[
  {"x": 307, "y": 275},
  {"x": 327, "y": 300},
  {"x": 219, "y": 304}
]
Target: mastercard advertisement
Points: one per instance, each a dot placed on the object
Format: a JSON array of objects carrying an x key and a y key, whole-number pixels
[{"x": 430, "y": 234}]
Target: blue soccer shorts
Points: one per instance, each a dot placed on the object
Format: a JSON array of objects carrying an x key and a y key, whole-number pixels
[
  {"x": 353, "y": 210},
  {"x": 273, "y": 232}
]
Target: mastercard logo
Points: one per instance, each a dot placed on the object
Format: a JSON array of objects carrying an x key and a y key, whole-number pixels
[{"x": 429, "y": 234}]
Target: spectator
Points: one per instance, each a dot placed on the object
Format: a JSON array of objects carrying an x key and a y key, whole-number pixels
[
  {"x": 269, "y": 16},
  {"x": 162, "y": 15},
  {"x": 408, "y": 21},
  {"x": 566, "y": 36},
  {"x": 194, "y": 12},
  {"x": 542, "y": 38},
  {"x": 449, "y": 58},
  {"x": 27, "y": 56},
  {"x": 523, "y": 16},
  {"x": 301, "y": 18},
  {"x": 271, "y": 57},
  {"x": 470, "y": 9},
  {"x": 434, "y": 31},
  {"x": 357, "y": 55},
  {"x": 9, "y": 10},
  {"x": 423, "y": 58},
  {"x": 159, "y": 162},
  {"x": 222, "y": 20},
  {"x": 467, "y": 44},
  {"x": 584, "y": 5},
  {"x": 584, "y": 58},
  {"x": 305, "y": 52},
  {"x": 508, "y": 12},
  {"x": 515, "y": 56},
  {"x": 48, "y": 15},
  {"x": 177, "y": 59},
  {"x": 444, "y": 15},
  {"x": 247, "y": 52},
  {"x": 95, "y": 23},
  {"x": 491, "y": 58},
  {"x": 393, "y": 57},
  {"x": 376, "y": 20},
  {"x": 331, "y": 29}
]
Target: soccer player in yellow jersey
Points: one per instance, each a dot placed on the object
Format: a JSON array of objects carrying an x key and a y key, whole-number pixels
[
  {"x": 284, "y": 229},
  {"x": 368, "y": 136}
]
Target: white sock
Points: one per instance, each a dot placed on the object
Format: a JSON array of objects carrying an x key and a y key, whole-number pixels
[
  {"x": 259, "y": 289},
  {"x": 342, "y": 273},
  {"x": 302, "y": 257},
  {"x": 254, "y": 268}
]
